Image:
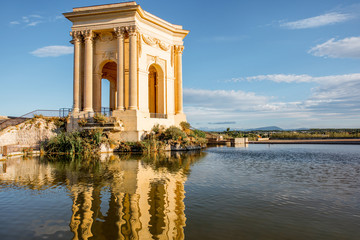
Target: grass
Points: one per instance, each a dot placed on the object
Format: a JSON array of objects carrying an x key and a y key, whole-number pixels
[{"x": 84, "y": 142}]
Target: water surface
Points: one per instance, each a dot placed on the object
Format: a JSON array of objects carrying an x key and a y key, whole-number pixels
[{"x": 257, "y": 192}]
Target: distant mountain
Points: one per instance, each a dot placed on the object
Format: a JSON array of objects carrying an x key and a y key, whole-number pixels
[
  {"x": 297, "y": 129},
  {"x": 206, "y": 129},
  {"x": 270, "y": 128},
  {"x": 223, "y": 129}
]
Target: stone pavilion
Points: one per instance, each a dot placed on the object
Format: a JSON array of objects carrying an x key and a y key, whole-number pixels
[{"x": 141, "y": 57}]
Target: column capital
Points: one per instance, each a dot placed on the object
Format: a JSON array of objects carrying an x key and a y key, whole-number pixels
[
  {"x": 76, "y": 36},
  {"x": 88, "y": 34},
  {"x": 179, "y": 49},
  {"x": 132, "y": 30},
  {"x": 120, "y": 32}
]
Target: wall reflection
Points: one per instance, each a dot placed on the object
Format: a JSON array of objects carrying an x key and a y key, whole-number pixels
[{"x": 117, "y": 197}]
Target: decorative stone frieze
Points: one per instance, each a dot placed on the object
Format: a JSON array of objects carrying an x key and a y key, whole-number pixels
[
  {"x": 155, "y": 42},
  {"x": 106, "y": 36}
]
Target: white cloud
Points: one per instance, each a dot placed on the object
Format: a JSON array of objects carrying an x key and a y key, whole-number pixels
[
  {"x": 318, "y": 21},
  {"x": 334, "y": 102},
  {"x": 35, "y": 19},
  {"x": 293, "y": 78},
  {"x": 53, "y": 51},
  {"x": 33, "y": 24},
  {"x": 59, "y": 17},
  {"x": 344, "y": 48}
]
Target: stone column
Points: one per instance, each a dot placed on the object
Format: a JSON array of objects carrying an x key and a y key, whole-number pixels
[
  {"x": 112, "y": 94},
  {"x": 88, "y": 83},
  {"x": 178, "y": 76},
  {"x": 97, "y": 91},
  {"x": 119, "y": 31},
  {"x": 133, "y": 68},
  {"x": 76, "y": 36}
]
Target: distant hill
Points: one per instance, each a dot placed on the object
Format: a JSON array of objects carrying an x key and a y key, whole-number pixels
[
  {"x": 222, "y": 129},
  {"x": 270, "y": 128}
]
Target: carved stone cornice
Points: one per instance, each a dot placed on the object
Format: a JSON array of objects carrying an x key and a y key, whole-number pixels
[
  {"x": 155, "y": 42},
  {"x": 179, "y": 49}
]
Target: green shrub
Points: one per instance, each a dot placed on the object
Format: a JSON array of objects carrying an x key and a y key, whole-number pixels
[
  {"x": 199, "y": 133},
  {"x": 85, "y": 142},
  {"x": 174, "y": 133},
  {"x": 184, "y": 126},
  {"x": 100, "y": 118}
]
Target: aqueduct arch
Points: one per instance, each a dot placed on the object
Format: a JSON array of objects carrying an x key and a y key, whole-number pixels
[{"x": 146, "y": 51}]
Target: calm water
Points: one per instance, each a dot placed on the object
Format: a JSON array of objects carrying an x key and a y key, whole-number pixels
[{"x": 258, "y": 192}]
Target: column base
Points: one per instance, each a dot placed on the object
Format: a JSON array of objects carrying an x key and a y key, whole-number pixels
[{"x": 88, "y": 110}]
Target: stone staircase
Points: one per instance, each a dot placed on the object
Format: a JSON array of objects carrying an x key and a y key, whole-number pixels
[{"x": 112, "y": 126}]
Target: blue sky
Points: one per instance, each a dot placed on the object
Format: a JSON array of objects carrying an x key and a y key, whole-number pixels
[{"x": 246, "y": 63}]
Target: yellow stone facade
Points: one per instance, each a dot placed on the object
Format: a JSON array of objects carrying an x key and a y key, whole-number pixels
[{"x": 141, "y": 56}]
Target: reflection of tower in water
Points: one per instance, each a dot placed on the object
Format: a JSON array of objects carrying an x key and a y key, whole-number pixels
[{"x": 144, "y": 203}]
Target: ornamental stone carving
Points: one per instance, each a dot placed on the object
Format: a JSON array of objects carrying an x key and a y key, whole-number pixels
[
  {"x": 132, "y": 30},
  {"x": 120, "y": 32},
  {"x": 148, "y": 40},
  {"x": 155, "y": 42},
  {"x": 108, "y": 55},
  {"x": 179, "y": 49},
  {"x": 76, "y": 35},
  {"x": 88, "y": 34},
  {"x": 106, "y": 36}
]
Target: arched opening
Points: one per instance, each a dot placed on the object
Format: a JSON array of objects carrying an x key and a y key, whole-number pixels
[
  {"x": 156, "y": 92},
  {"x": 109, "y": 72}
]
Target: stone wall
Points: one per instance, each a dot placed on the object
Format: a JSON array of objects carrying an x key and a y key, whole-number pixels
[{"x": 29, "y": 133}]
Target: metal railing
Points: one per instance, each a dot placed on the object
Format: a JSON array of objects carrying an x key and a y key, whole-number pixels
[
  {"x": 106, "y": 111},
  {"x": 17, "y": 120},
  {"x": 158, "y": 115},
  {"x": 64, "y": 112}
]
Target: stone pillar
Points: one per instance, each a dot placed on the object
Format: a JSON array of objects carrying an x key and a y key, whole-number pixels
[
  {"x": 76, "y": 36},
  {"x": 178, "y": 78},
  {"x": 97, "y": 91},
  {"x": 119, "y": 31},
  {"x": 88, "y": 83},
  {"x": 112, "y": 94},
  {"x": 133, "y": 68}
]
